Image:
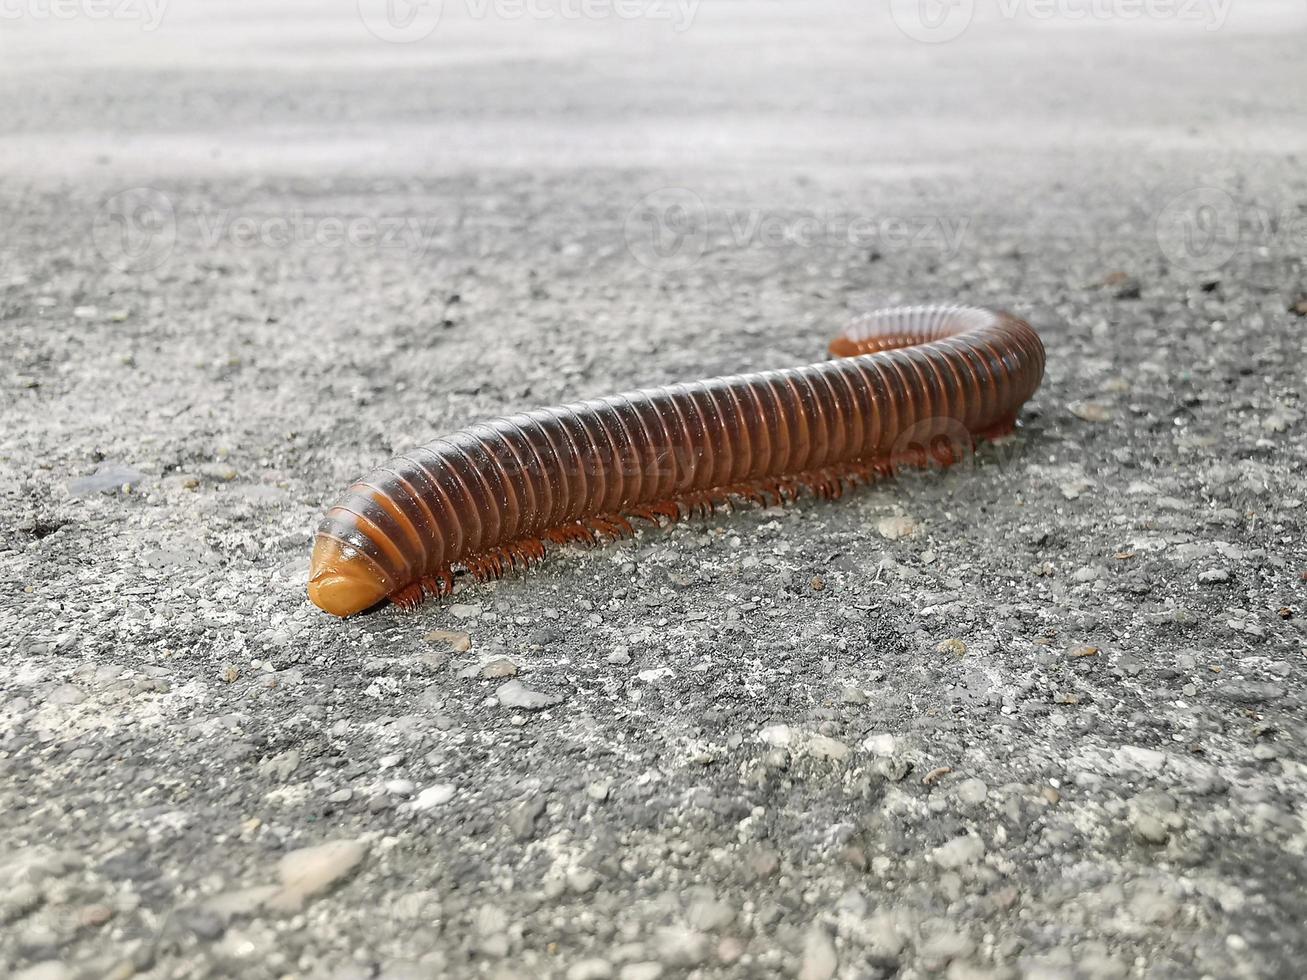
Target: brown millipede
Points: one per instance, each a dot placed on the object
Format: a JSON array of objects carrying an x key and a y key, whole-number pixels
[{"x": 907, "y": 385}]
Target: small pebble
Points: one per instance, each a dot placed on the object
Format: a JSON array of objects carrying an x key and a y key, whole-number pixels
[
  {"x": 709, "y": 914},
  {"x": 824, "y": 747},
  {"x": 514, "y": 695},
  {"x": 591, "y": 969},
  {"x": 959, "y": 852},
  {"x": 433, "y": 796},
  {"x": 894, "y": 528},
  {"x": 46, "y": 970},
  {"x": 312, "y": 871},
  {"x": 777, "y": 735},
  {"x": 1091, "y": 411},
  {"x": 819, "y": 959},
  {"x": 523, "y": 816},
  {"x": 1150, "y": 829},
  {"x": 680, "y": 946},
  {"x": 92, "y": 916},
  {"x": 880, "y": 743},
  {"x": 499, "y": 667},
  {"x": 582, "y": 880},
  {"x": 66, "y": 694},
  {"x": 449, "y": 641}
]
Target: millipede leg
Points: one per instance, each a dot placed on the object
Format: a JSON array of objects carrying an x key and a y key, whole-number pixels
[
  {"x": 409, "y": 597},
  {"x": 647, "y": 514}
]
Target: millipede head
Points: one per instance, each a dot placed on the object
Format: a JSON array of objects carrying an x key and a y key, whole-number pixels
[{"x": 341, "y": 580}]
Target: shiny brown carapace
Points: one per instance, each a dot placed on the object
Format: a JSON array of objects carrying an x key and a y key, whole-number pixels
[{"x": 909, "y": 386}]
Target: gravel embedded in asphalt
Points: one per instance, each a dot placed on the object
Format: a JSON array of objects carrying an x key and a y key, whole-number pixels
[{"x": 1035, "y": 717}]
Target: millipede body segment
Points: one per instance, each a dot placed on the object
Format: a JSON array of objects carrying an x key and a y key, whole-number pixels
[{"x": 908, "y": 386}]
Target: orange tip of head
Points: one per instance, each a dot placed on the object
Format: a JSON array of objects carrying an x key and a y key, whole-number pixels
[{"x": 342, "y": 583}]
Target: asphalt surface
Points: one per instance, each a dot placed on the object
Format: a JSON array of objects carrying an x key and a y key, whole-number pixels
[{"x": 1038, "y": 717}]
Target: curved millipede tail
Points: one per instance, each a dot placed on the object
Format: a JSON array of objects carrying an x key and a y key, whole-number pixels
[{"x": 909, "y": 386}]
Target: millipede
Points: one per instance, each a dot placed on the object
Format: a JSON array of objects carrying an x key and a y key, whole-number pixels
[{"x": 908, "y": 386}]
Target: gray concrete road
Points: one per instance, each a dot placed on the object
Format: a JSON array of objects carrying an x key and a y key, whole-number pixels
[{"x": 1038, "y": 717}]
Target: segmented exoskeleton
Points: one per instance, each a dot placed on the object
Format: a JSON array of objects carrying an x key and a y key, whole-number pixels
[{"x": 908, "y": 386}]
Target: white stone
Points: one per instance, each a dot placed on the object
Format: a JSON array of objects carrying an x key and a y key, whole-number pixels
[
  {"x": 591, "y": 969},
  {"x": 313, "y": 871},
  {"x": 824, "y": 747},
  {"x": 819, "y": 959},
  {"x": 895, "y": 528},
  {"x": 434, "y": 796},
  {"x": 515, "y": 695},
  {"x": 880, "y": 743},
  {"x": 959, "y": 852},
  {"x": 1138, "y": 757}
]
